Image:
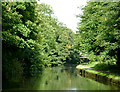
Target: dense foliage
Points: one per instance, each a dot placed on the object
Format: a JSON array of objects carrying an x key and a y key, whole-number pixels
[
  {"x": 99, "y": 31},
  {"x": 32, "y": 39}
]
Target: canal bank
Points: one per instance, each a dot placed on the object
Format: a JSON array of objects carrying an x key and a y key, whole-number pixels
[{"x": 108, "y": 78}]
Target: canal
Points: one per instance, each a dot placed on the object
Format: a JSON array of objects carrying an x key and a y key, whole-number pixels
[{"x": 59, "y": 78}]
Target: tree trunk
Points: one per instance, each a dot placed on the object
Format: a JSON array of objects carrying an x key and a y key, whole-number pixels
[{"x": 118, "y": 57}]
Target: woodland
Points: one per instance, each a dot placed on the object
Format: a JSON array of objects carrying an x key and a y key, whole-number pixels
[{"x": 33, "y": 38}]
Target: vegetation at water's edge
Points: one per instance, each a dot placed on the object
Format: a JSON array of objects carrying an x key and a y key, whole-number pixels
[
  {"x": 99, "y": 36},
  {"x": 33, "y": 38},
  {"x": 103, "y": 69}
]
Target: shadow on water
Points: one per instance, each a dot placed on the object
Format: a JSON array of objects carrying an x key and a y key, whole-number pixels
[
  {"x": 61, "y": 78},
  {"x": 26, "y": 83}
]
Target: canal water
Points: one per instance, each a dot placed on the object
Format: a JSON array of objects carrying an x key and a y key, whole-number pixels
[{"x": 61, "y": 78}]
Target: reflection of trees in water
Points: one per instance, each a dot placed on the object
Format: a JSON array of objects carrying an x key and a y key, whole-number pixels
[
  {"x": 70, "y": 70},
  {"x": 69, "y": 79},
  {"x": 65, "y": 78},
  {"x": 61, "y": 78}
]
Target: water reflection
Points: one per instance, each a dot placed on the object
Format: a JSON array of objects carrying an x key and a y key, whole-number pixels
[
  {"x": 66, "y": 78},
  {"x": 62, "y": 78}
]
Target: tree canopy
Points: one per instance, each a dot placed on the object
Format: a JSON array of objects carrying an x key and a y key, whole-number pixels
[
  {"x": 99, "y": 32},
  {"x": 32, "y": 38}
]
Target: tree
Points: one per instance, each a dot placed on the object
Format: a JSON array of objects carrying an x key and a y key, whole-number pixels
[
  {"x": 32, "y": 39},
  {"x": 99, "y": 31}
]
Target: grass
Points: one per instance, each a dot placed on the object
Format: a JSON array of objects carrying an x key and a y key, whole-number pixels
[
  {"x": 107, "y": 67},
  {"x": 112, "y": 70}
]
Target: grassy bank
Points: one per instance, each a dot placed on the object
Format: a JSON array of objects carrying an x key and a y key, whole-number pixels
[
  {"x": 104, "y": 69},
  {"x": 109, "y": 74}
]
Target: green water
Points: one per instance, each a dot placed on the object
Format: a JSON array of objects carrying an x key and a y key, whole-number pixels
[{"x": 60, "y": 78}]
